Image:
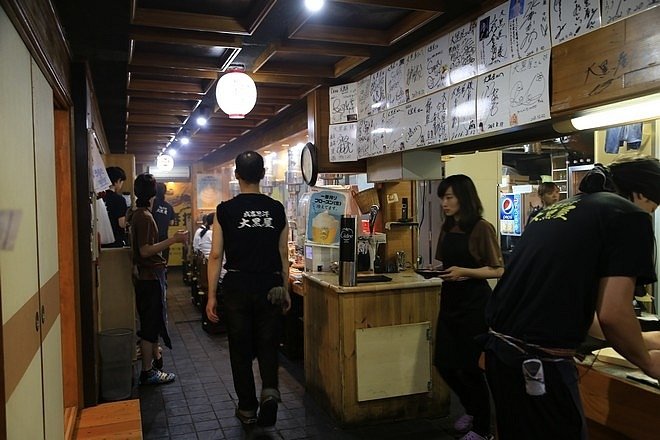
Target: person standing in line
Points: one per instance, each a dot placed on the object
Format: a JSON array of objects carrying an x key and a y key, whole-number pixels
[
  {"x": 468, "y": 249},
  {"x": 149, "y": 281},
  {"x": 164, "y": 215},
  {"x": 116, "y": 206},
  {"x": 251, "y": 230},
  {"x": 580, "y": 256},
  {"x": 549, "y": 194}
]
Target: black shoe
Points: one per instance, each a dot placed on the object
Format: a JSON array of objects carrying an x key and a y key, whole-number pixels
[
  {"x": 246, "y": 417},
  {"x": 267, "y": 412}
]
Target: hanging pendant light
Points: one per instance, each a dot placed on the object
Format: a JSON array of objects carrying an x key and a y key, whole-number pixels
[{"x": 236, "y": 92}]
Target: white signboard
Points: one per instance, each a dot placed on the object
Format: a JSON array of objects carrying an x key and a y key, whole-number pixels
[
  {"x": 364, "y": 128},
  {"x": 413, "y": 121},
  {"x": 493, "y": 44},
  {"x": 364, "y": 97},
  {"x": 529, "y": 95},
  {"x": 463, "y": 53},
  {"x": 493, "y": 100},
  {"x": 529, "y": 25},
  {"x": 342, "y": 142},
  {"x": 463, "y": 110},
  {"x": 571, "y": 18},
  {"x": 437, "y": 64},
  {"x": 614, "y": 10},
  {"x": 415, "y": 71},
  {"x": 436, "y": 126},
  {"x": 100, "y": 179},
  {"x": 378, "y": 91},
  {"x": 343, "y": 103},
  {"x": 395, "y": 84}
]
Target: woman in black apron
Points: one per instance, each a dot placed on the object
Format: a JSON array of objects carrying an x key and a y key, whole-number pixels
[{"x": 468, "y": 249}]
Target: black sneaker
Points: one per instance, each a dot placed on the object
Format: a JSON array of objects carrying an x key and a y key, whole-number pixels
[{"x": 267, "y": 412}]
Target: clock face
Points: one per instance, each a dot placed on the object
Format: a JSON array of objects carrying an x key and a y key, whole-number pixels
[{"x": 309, "y": 164}]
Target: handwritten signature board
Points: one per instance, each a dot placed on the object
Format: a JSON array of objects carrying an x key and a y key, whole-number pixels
[
  {"x": 434, "y": 95},
  {"x": 614, "y": 10},
  {"x": 342, "y": 142}
]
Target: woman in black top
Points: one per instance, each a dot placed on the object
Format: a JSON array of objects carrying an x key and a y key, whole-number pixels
[
  {"x": 252, "y": 231},
  {"x": 468, "y": 248}
]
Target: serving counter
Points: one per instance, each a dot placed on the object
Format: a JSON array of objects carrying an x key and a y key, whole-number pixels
[
  {"x": 615, "y": 406},
  {"x": 368, "y": 348}
]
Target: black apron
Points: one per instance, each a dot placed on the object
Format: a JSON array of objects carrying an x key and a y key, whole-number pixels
[{"x": 462, "y": 308}]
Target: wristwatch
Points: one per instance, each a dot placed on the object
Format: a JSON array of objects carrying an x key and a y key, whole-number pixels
[{"x": 309, "y": 164}]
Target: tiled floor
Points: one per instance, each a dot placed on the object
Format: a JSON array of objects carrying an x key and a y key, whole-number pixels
[{"x": 200, "y": 403}]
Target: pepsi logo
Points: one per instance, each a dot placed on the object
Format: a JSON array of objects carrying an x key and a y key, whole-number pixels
[{"x": 507, "y": 205}]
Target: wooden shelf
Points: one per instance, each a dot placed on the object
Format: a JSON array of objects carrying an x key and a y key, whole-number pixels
[{"x": 389, "y": 225}]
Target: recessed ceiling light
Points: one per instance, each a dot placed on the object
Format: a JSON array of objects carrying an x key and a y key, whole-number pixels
[{"x": 314, "y": 5}]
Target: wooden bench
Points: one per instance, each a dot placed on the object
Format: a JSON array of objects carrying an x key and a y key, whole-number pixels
[{"x": 110, "y": 420}]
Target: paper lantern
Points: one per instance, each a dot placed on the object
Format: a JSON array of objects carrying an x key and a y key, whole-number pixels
[
  {"x": 165, "y": 162},
  {"x": 236, "y": 93}
]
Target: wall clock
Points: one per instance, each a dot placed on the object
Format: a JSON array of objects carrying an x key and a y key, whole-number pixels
[{"x": 309, "y": 164}]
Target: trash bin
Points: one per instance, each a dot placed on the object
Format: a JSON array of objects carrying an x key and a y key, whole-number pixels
[{"x": 116, "y": 347}]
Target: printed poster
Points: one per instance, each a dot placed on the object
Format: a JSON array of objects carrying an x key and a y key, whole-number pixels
[
  {"x": 510, "y": 214},
  {"x": 325, "y": 210},
  {"x": 208, "y": 191}
]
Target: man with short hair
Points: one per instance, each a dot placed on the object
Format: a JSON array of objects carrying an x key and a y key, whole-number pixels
[
  {"x": 116, "y": 206},
  {"x": 164, "y": 215},
  {"x": 579, "y": 256}
]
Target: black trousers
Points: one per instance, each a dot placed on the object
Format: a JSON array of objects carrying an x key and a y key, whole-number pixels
[
  {"x": 554, "y": 415},
  {"x": 470, "y": 386}
]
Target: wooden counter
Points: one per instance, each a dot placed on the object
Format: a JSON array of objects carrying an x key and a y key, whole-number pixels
[
  {"x": 369, "y": 348},
  {"x": 617, "y": 407}
]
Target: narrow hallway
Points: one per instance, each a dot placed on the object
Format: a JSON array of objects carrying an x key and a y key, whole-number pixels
[{"x": 200, "y": 403}]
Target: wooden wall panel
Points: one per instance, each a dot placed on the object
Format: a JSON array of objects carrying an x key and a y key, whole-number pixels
[
  {"x": 22, "y": 362},
  {"x": 47, "y": 220},
  {"x": 618, "y": 61}
]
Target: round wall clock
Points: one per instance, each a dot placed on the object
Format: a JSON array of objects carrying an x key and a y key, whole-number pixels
[{"x": 309, "y": 164}]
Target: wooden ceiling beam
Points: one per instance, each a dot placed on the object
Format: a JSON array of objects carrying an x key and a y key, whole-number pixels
[
  {"x": 345, "y": 64},
  {"x": 174, "y": 61},
  {"x": 163, "y": 131},
  {"x": 179, "y": 72},
  {"x": 188, "y": 21},
  {"x": 327, "y": 49},
  {"x": 319, "y": 32},
  {"x": 409, "y": 24},
  {"x": 185, "y": 37},
  {"x": 157, "y": 120},
  {"x": 144, "y": 104},
  {"x": 226, "y": 122},
  {"x": 418, "y": 5},
  {"x": 260, "y": 77},
  {"x": 167, "y": 86},
  {"x": 294, "y": 69},
  {"x": 148, "y": 94}
]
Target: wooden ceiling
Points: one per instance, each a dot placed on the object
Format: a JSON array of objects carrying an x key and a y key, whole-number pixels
[{"x": 173, "y": 52}]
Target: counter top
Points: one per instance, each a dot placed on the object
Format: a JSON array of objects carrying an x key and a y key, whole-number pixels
[{"x": 402, "y": 280}]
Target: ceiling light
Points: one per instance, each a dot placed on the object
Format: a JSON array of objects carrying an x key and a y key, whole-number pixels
[
  {"x": 203, "y": 116},
  {"x": 236, "y": 92},
  {"x": 171, "y": 152},
  {"x": 620, "y": 113},
  {"x": 314, "y": 5},
  {"x": 184, "y": 139}
]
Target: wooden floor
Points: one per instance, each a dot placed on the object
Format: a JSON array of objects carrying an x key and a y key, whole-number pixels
[{"x": 116, "y": 420}]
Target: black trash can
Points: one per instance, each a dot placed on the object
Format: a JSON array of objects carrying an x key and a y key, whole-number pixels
[{"x": 116, "y": 347}]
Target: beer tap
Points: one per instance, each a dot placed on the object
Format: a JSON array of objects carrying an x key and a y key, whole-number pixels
[{"x": 373, "y": 244}]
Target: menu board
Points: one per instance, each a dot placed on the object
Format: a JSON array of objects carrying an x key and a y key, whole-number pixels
[
  {"x": 528, "y": 27},
  {"x": 463, "y": 53},
  {"x": 343, "y": 103},
  {"x": 529, "y": 95},
  {"x": 493, "y": 100},
  {"x": 437, "y": 64},
  {"x": 364, "y": 97},
  {"x": 463, "y": 110},
  {"x": 377, "y": 90},
  {"x": 342, "y": 142},
  {"x": 436, "y": 127},
  {"x": 571, "y": 19},
  {"x": 493, "y": 45},
  {"x": 395, "y": 84},
  {"x": 415, "y": 74},
  {"x": 614, "y": 10}
]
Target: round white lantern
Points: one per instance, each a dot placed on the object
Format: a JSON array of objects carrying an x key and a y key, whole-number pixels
[
  {"x": 236, "y": 93},
  {"x": 165, "y": 162}
]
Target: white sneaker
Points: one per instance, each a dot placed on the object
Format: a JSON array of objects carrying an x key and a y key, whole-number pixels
[
  {"x": 474, "y": 436},
  {"x": 463, "y": 423}
]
